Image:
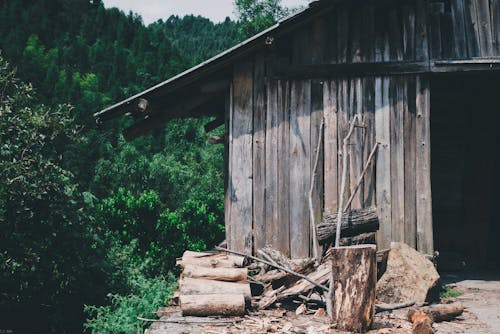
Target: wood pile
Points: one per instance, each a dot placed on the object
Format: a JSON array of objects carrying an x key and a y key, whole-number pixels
[
  {"x": 226, "y": 283},
  {"x": 213, "y": 284}
]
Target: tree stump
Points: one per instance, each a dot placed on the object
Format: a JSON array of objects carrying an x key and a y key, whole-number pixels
[{"x": 355, "y": 276}]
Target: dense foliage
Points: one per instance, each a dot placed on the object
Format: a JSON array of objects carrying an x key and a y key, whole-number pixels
[{"x": 85, "y": 217}]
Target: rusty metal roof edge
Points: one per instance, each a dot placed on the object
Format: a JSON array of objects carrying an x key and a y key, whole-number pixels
[{"x": 212, "y": 61}]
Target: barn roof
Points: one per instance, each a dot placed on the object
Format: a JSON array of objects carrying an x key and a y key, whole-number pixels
[{"x": 204, "y": 80}]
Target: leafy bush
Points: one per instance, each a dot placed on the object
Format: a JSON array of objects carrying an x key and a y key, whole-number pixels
[
  {"x": 448, "y": 292},
  {"x": 46, "y": 258},
  {"x": 160, "y": 234},
  {"x": 120, "y": 317}
]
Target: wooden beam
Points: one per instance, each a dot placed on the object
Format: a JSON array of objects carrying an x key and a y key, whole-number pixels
[
  {"x": 352, "y": 70},
  {"x": 185, "y": 109},
  {"x": 446, "y": 66},
  {"x": 215, "y": 87},
  {"x": 323, "y": 71}
]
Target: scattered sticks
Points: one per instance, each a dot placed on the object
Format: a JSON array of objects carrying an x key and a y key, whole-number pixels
[
  {"x": 321, "y": 286},
  {"x": 391, "y": 307},
  {"x": 192, "y": 321}
]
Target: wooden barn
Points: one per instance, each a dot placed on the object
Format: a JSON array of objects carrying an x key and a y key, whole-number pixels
[{"x": 421, "y": 74}]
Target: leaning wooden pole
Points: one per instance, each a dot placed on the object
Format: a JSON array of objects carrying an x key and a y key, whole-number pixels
[
  {"x": 311, "y": 210},
  {"x": 360, "y": 179},
  {"x": 344, "y": 179}
]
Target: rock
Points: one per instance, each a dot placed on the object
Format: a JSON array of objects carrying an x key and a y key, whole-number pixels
[{"x": 410, "y": 276}]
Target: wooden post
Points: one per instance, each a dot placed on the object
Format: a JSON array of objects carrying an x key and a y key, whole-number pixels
[{"x": 355, "y": 276}]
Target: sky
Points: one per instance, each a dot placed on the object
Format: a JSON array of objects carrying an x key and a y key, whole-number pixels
[{"x": 153, "y": 10}]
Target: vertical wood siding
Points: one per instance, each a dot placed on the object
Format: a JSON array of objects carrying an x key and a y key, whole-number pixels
[
  {"x": 400, "y": 31},
  {"x": 240, "y": 183},
  {"x": 394, "y": 112}
]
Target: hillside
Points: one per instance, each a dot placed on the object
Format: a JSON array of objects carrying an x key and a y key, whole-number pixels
[{"x": 87, "y": 218}]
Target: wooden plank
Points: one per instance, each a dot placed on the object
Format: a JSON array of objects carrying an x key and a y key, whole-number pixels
[
  {"x": 421, "y": 35},
  {"x": 342, "y": 34},
  {"x": 355, "y": 47},
  {"x": 410, "y": 209},
  {"x": 316, "y": 131},
  {"x": 331, "y": 38},
  {"x": 459, "y": 37},
  {"x": 273, "y": 225},
  {"x": 300, "y": 169},
  {"x": 395, "y": 36},
  {"x": 259, "y": 154},
  {"x": 383, "y": 169},
  {"x": 241, "y": 159},
  {"x": 408, "y": 14},
  {"x": 483, "y": 65},
  {"x": 322, "y": 71},
  {"x": 423, "y": 170},
  {"x": 319, "y": 45},
  {"x": 227, "y": 166},
  {"x": 471, "y": 28},
  {"x": 283, "y": 195},
  {"x": 356, "y": 142},
  {"x": 447, "y": 45},
  {"x": 342, "y": 130},
  {"x": 396, "y": 95},
  {"x": 379, "y": 35},
  {"x": 331, "y": 147},
  {"x": 368, "y": 34},
  {"x": 369, "y": 140},
  {"x": 495, "y": 23},
  {"x": 302, "y": 52},
  {"x": 436, "y": 10},
  {"x": 484, "y": 25}
]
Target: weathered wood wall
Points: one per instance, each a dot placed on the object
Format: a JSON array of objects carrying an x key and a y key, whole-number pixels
[
  {"x": 395, "y": 113},
  {"x": 395, "y": 31},
  {"x": 279, "y": 97}
]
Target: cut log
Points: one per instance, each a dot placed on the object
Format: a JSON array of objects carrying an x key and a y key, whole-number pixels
[
  {"x": 353, "y": 223},
  {"x": 440, "y": 312},
  {"x": 217, "y": 274},
  {"x": 198, "y": 286},
  {"x": 354, "y": 272},
  {"x": 362, "y": 239},
  {"x": 421, "y": 322},
  {"x": 212, "y": 305},
  {"x": 211, "y": 260}
]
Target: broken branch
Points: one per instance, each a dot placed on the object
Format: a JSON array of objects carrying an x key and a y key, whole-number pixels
[
  {"x": 275, "y": 266},
  {"x": 360, "y": 179}
]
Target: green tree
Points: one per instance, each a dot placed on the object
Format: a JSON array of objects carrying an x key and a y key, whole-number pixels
[
  {"x": 257, "y": 15},
  {"x": 48, "y": 261}
]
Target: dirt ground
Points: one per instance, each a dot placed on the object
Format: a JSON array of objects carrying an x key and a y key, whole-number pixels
[{"x": 480, "y": 296}]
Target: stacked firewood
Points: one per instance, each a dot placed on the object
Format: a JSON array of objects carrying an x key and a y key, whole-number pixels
[{"x": 213, "y": 284}]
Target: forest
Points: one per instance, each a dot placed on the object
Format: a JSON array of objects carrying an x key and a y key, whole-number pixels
[{"x": 91, "y": 224}]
